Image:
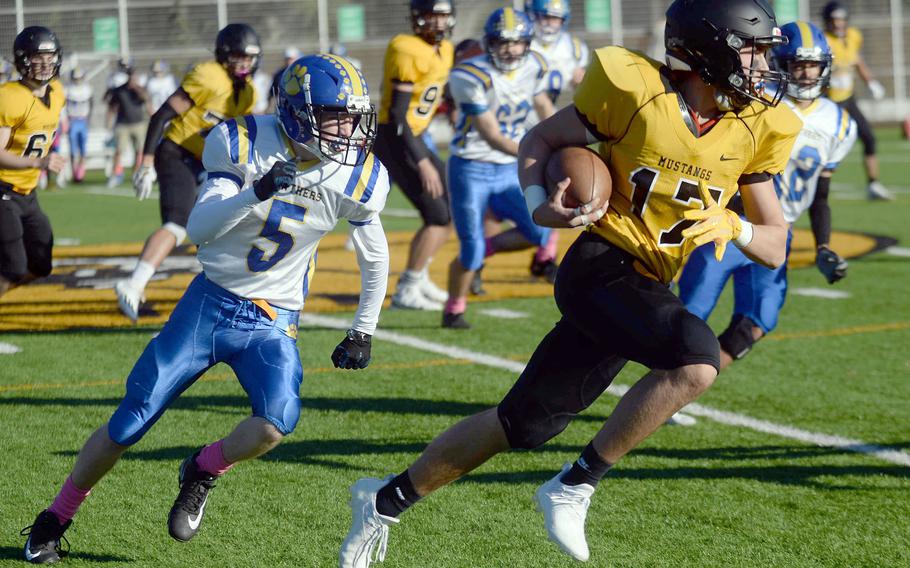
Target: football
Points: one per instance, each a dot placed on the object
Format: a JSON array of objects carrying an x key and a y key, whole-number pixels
[{"x": 590, "y": 176}]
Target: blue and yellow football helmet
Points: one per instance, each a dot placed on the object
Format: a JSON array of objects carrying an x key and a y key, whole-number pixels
[
  {"x": 507, "y": 25},
  {"x": 312, "y": 91},
  {"x": 539, "y": 9},
  {"x": 806, "y": 44}
]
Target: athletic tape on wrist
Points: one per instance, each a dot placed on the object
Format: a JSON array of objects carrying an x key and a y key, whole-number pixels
[{"x": 745, "y": 236}]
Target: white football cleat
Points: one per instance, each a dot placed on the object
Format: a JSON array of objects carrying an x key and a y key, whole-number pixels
[
  {"x": 564, "y": 509},
  {"x": 878, "y": 192},
  {"x": 430, "y": 290},
  {"x": 409, "y": 297},
  {"x": 368, "y": 538},
  {"x": 128, "y": 299}
]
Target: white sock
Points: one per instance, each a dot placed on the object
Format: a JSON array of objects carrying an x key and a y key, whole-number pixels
[
  {"x": 409, "y": 277},
  {"x": 142, "y": 274}
]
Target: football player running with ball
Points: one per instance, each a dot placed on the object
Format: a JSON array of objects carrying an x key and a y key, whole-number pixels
[
  {"x": 212, "y": 92},
  {"x": 826, "y": 138},
  {"x": 276, "y": 185},
  {"x": 680, "y": 139},
  {"x": 494, "y": 93},
  {"x": 416, "y": 69},
  {"x": 29, "y": 116}
]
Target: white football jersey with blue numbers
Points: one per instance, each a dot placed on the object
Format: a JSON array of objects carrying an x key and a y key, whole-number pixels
[
  {"x": 270, "y": 253},
  {"x": 828, "y": 134},
  {"x": 564, "y": 56},
  {"x": 478, "y": 86}
]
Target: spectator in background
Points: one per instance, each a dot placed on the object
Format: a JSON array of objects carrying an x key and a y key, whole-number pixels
[
  {"x": 846, "y": 43},
  {"x": 78, "y": 109},
  {"x": 128, "y": 109},
  {"x": 160, "y": 83},
  {"x": 291, "y": 54},
  {"x": 340, "y": 50},
  {"x": 6, "y": 71}
]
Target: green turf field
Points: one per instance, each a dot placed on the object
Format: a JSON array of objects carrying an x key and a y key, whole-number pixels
[{"x": 715, "y": 494}]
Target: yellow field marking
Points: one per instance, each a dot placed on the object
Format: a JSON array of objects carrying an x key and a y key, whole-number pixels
[
  {"x": 836, "y": 332},
  {"x": 222, "y": 376},
  {"x": 61, "y": 304}
]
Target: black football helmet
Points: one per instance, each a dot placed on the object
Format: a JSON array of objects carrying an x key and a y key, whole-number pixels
[
  {"x": 706, "y": 36},
  {"x": 30, "y": 42},
  {"x": 238, "y": 39},
  {"x": 419, "y": 11},
  {"x": 833, "y": 10}
]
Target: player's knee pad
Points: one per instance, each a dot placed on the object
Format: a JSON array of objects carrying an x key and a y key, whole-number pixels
[
  {"x": 129, "y": 423},
  {"x": 526, "y": 431},
  {"x": 178, "y": 231},
  {"x": 282, "y": 414},
  {"x": 436, "y": 214},
  {"x": 737, "y": 339}
]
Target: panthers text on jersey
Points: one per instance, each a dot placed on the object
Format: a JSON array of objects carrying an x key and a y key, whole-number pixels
[
  {"x": 410, "y": 59},
  {"x": 212, "y": 91},
  {"x": 828, "y": 134},
  {"x": 564, "y": 56},
  {"x": 270, "y": 253},
  {"x": 478, "y": 86},
  {"x": 33, "y": 123},
  {"x": 846, "y": 54},
  {"x": 656, "y": 161}
]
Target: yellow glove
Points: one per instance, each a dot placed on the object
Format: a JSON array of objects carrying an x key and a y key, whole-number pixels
[{"x": 713, "y": 223}]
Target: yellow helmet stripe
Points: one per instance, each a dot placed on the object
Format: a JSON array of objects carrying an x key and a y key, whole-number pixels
[
  {"x": 508, "y": 15},
  {"x": 805, "y": 34},
  {"x": 356, "y": 84}
]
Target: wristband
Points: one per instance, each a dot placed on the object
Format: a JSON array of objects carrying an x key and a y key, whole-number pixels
[
  {"x": 745, "y": 236},
  {"x": 535, "y": 196}
]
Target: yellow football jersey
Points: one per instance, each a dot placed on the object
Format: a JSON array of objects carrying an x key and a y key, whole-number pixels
[
  {"x": 846, "y": 53},
  {"x": 33, "y": 124},
  {"x": 656, "y": 161},
  {"x": 409, "y": 59},
  {"x": 212, "y": 91}
]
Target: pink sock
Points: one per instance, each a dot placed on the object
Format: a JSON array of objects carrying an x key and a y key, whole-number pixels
[
  {"x": 490, "y": 250},
  {"x": 548, "y": 251},
  {"x": 68, "y": 500},
  {"x": 211, "y": 459},
  {"x": 456, "y": 305}
]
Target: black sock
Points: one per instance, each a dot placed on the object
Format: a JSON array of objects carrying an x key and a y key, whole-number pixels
[
  {"x": 398, "y": 494},
  {"x": 588, "y": 468}
]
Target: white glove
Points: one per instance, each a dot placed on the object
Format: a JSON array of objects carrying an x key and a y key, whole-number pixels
[
  {"x": 877, "y": 90},
  {"x": 143, "y": 180}
]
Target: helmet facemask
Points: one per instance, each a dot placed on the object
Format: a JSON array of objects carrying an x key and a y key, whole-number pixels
[
  {"x": 802, "y": 87},
  {"x": 322, "y": 129},
  {"x": 423, "y": 24},
  {"x": 546, "y": 28},
  {"x": 241, "y": 65},
  {"x": 500, "y": 53}
]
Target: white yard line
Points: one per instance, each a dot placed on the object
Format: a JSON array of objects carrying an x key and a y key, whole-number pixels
[
  {"x": 821, "y": 293},
  {"x": 502, "y": 313},
  {"x": 728, "y": 418},
  {"x": 898, "y": 251}
]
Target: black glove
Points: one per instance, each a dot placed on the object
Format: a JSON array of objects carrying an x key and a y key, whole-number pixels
[
  {"x": 353, "y": 352},
  {"x": 279, "y": 178},
  {"x": 830, "y": 264}
]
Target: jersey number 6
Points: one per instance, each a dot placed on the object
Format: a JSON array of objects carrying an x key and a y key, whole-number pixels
[{"x": 259, "y": 260}]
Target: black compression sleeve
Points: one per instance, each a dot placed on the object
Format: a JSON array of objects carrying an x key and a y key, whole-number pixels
[
  {"x": 398, "y": 113},
  {"x": 156, "y": 127},
  {"x": 820, "y": 212}
]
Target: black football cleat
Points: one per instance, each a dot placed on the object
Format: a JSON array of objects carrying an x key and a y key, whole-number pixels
[
  {"x": 189, "y": 507},
  {"x": 477, "y": 283},
  {"x": 44, "y": 535},
  {"x": 546, "y": 269},
  {"x": 455, "y": 321}
]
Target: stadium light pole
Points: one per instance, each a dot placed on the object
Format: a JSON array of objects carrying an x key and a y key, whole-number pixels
[
  {"x": 323, "y": 10},
  {"x": 20, "y": 17},
  {"x": 222, "y": 14},
  {"x": 124, "y": 29},
  {"x": 897, "y": 54},
  {"x": 616, "y": 21}
]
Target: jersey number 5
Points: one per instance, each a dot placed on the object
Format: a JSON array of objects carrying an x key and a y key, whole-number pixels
[
  {"x": 259, "y": 260},
  {"x": 643, "y": 181}
]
